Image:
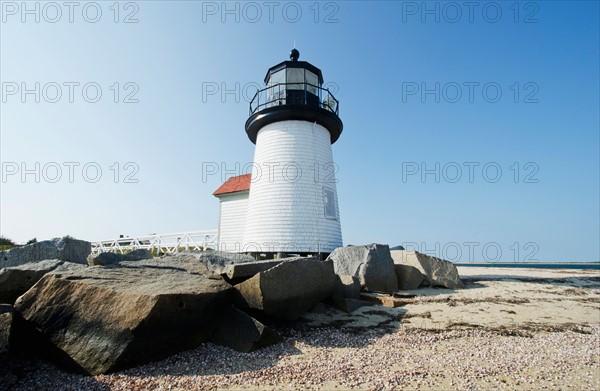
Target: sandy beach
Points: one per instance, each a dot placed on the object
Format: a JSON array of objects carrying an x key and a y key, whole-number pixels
[{"x": 509, "y": 329}]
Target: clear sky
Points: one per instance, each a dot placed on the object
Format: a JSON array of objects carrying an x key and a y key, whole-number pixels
[{"x": 469, "y": 128}]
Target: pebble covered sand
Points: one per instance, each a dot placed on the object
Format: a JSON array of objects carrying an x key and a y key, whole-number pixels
[{"x": 382, "y": 348}]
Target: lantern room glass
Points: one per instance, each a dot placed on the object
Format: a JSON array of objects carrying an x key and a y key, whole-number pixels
[
  {"x": 277, "y": 84},
  {"x": 292, "y": 85},
  {"x": 295, "y": 75},
  {"x": 295, "y": 78},
  {"x": 312, "y": 81}
]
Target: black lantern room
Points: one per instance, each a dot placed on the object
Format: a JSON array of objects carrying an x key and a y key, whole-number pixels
[{"x": 294, "y": 92}]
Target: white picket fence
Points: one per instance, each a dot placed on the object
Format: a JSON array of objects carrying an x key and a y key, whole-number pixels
[{"x": 164, "y": 244}]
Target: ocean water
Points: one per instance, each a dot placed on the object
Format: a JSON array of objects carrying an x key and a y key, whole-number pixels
[{"x": 535, "y": 265}]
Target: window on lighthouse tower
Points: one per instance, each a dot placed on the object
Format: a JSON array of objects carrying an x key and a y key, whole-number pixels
[{"x": 329, "y": 204}]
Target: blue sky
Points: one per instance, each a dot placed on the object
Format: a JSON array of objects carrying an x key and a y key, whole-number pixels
[{"x": 513, "y": 96}]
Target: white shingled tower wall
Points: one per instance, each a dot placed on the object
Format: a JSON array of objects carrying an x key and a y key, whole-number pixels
[{"x": 293, "y": 203}]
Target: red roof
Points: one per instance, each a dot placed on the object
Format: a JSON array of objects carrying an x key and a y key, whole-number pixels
[{"x": 234, "y": 184}]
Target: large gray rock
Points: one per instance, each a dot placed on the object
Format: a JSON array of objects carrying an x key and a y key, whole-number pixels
[
  {"x": 437, "y": 272},
  {"x": 111, "y": 318},
  {"x": 372, "y": 264},
  {"x": 108, "y": 258},
  {"x": 241, "y": 332},
  {"x": 65, "y": 249},
  {"x": 14, "y": 281},
  {"x": 290, "y": 288},
  {"x": 409, "y": 277}
]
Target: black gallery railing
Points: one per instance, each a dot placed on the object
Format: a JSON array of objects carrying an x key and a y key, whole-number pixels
[{"x": 294, "y": 94}]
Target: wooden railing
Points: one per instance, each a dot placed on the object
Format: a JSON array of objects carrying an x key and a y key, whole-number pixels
[{"x": 160, "y": 244}]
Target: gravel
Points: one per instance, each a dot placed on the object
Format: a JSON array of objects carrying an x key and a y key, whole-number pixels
[{"x": 334, "y": 357}]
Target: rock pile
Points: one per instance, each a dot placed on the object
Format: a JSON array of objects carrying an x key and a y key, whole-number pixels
[{"x": 127, "y": 309}]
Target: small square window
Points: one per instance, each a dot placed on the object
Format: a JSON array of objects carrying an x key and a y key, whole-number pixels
[{"x": 329, "y": 204}]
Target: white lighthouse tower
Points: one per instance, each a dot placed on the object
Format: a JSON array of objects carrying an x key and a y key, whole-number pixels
[{"x": 293, "y": 204}]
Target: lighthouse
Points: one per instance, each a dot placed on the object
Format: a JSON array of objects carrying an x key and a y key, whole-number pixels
[
  {"x": 288, "y": 204},
  {"x": 293, "y": 203}
]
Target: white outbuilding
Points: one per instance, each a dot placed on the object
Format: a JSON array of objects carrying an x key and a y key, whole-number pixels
[
  {"x": 233, "y": 199},
  {"x": 289, "y": 204}
]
